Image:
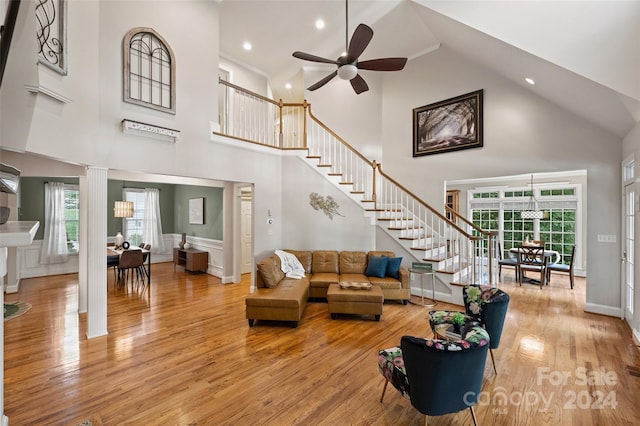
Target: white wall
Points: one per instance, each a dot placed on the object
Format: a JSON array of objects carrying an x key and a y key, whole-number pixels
[
  {"x": 245, "y": 77},
  {"x": 523, "y": 133},
  {"x": 355, "y": 118},
  {"x": 304, "y": 228},
  {"x": 602, "y": 43}
]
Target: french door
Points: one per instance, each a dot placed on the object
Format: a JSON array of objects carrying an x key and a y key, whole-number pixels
[{"x": 628, "y": 253}]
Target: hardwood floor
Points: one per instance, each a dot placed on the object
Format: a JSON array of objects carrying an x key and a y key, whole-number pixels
[{"x": 186, "y": 356}]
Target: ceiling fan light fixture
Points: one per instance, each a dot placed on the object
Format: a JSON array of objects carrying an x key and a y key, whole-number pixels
[{"x": 347, "y": 72}]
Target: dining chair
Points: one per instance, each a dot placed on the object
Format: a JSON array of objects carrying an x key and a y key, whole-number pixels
[
  {"x": 145, "y": 256},
  {"x": 112, "y": 262},
  {"x": 532, "y": 258},
  {"x": 560, "y": 267},
  {"x": 130, "y": 262},
  {"x": 510, "y": 261}
]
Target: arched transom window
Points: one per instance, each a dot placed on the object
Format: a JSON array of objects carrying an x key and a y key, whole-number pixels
[{"x": 149, "y": 70}]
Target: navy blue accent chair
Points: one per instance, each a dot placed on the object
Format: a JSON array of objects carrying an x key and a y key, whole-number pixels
[
  {"x": 440, "y": 377},
  {"x": 484, "y": 304}
]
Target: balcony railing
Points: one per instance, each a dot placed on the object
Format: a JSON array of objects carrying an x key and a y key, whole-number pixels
[{"x": 466, "y": 252}]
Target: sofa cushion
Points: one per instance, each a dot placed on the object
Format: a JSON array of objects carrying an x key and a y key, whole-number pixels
[
  {"x": 353, "y": 262},
  {"x": 377, "y": 266},
  {"x": 290, "y": 293},
  {"x": 270, "y": 271},
  {"x": 304, "y": 256},
  {"x": 325, "y": 261},
  {"x": 354, "y": 278},
  {"x": 393, "y": 267},
  {"x": 386, "y": 282},
  {"x": 323, "y": 279}
]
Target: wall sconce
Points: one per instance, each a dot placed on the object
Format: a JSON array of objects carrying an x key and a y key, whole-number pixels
[{"x": 123, "y": 209}]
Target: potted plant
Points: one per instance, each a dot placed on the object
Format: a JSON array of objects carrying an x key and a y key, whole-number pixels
[{"x": 457, "y": 319}]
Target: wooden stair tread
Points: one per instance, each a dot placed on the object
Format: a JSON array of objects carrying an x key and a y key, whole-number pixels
[
  {"x": 335, "y": 174},
  {"x": 345, "y": 183},
  {"x": 357, "y": 192},
  {"x": 323, "y": 165},
  {"x": 313, "y": 157}
]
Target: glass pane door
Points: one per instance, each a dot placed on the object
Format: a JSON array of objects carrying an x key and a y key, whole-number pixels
[{"x": 629, "y": 217}]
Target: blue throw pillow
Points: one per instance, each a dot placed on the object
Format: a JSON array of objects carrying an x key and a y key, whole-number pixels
[
  {"x": 377, "y": 266},
  {"x": 393, "y": 267}
]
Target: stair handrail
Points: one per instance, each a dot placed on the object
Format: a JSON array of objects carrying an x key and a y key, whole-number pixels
[
  {"x": 424, "y": 204},
  {"x": 345, "y": 143},
  {"x": 375, "y": 166}
]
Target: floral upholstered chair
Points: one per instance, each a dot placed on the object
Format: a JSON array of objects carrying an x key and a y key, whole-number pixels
[
  {"x": 453, "y": 386},
  {"x": 483, "y": 304}
]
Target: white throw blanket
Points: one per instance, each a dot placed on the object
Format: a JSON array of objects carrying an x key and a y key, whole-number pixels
[{"x": 290, "y": 265}]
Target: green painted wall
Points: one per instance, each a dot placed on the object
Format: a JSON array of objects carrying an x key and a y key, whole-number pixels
[
  {"x": 212, "y": 227},
  {"x": 114, "y": 193},
  {"x": 174, "y": 205},
  {"x": 32, "y": 199}
]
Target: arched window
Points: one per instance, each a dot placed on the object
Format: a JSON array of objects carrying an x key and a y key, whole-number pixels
[{"x": 149, "y": 70}]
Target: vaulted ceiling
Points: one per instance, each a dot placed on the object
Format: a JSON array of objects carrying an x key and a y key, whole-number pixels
[{"x": 573, "y": 78}]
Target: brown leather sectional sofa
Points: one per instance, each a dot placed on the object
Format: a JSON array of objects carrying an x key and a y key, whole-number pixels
[{"x": 283, "y": 299}]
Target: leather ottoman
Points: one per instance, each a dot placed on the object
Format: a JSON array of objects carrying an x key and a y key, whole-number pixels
[{"x": 358, "y": 302}]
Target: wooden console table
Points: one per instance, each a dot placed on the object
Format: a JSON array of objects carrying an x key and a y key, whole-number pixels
[{"x": 191, "y": 259}]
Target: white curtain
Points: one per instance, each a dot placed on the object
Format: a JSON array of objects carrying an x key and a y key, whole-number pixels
[
  {"x": 54, "y": 245},
  {"x": 152, "y": 232}
]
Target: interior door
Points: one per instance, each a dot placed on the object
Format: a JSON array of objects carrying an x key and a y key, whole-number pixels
[{"x": 245, "y": 234}]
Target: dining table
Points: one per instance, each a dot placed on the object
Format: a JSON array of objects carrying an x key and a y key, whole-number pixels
[
  {"x": 113, "y": 252},
  {"x": 547, "y": 253}
]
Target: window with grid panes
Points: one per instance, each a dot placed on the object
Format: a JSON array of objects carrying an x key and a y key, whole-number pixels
[
  {"x": 134, "y": 226},
  {"x": 72, "y": 217},
  {"x": 558, "y": 230}
]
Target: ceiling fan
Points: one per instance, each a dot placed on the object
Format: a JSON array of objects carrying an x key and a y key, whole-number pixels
[{"x": 348, "y": 64}]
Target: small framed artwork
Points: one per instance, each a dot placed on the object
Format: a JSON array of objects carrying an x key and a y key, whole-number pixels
[
  {"x": 196, "y": 211},
  {"x": 448, "y": 125}
]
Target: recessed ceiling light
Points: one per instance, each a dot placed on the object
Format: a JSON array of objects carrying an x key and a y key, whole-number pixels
[
  {"x": 530, "y": 81},
  {"x": 246, "y": 45},
  {"x": 319, "y": 24},
  {"x": 287, "y": 86}
]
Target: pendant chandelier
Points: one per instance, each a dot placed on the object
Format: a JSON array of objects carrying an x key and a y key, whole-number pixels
[{"x": 531, "y": 211}]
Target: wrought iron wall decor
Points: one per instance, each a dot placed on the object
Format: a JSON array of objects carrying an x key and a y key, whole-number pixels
[
  {"x": 328, "y": 205},
  {"x": 149, "y": 71},
  {"x": 51, "y": 33},
  {"x": 448, "y": 125}
]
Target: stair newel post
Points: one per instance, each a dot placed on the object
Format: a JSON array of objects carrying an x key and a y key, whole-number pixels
[
  {"x": 280, "y": 134},
  {"x": 374, "y": 165},
  {"x": 305, "y": 105}
]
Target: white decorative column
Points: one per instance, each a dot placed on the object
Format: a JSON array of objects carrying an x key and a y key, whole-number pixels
[
  {"x": 12, "y": 234},
  {"x": 96, "y": 195},
  {"x": 83, "y": 240}
]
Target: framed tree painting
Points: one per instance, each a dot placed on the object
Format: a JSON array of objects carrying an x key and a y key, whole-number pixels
[{"x": 449, "y": 125}]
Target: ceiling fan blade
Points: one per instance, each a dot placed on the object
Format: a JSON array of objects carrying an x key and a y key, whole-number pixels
[
  {"x": 359, "y": 41},
  {"x": 323, "y": 81},
  {"x": 384, "y": 64},
  {"x": 358, "y": 84},
  {"x": 314, "y": 58}
]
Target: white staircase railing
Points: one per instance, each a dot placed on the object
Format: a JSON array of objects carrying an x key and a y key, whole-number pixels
[{"x": 468, "y": 255}]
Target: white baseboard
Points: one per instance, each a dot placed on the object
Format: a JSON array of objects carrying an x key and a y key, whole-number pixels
[{"x": 612, "y": 311}]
